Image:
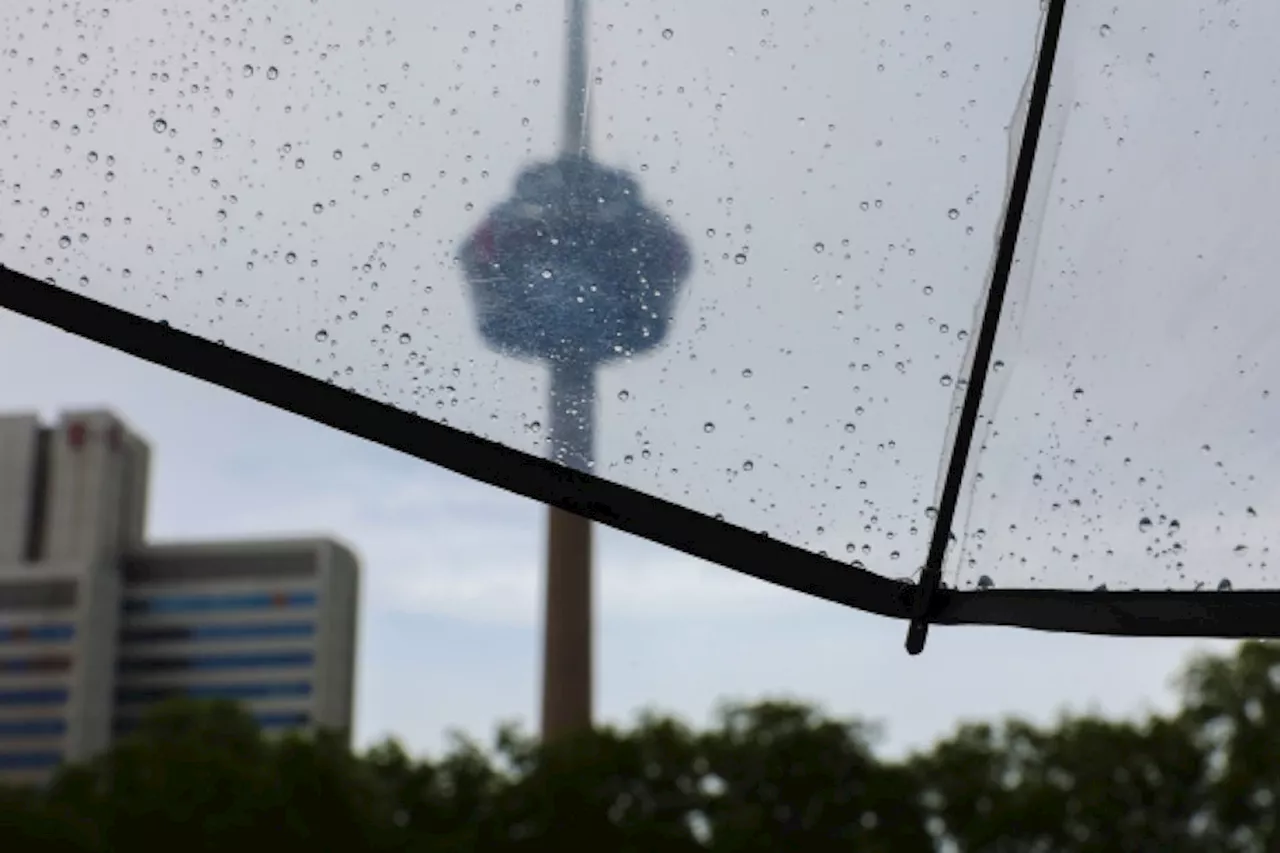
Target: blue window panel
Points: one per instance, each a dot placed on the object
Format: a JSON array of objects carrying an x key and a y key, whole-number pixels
[
  {"x": 34, "y": 696},
  {"x": 49, "y": 663},
  {"x": 32, "y": 728},
  {"x": 29, "y": 760},
  {"x": 36, "y": 633},
  {"x": 266, "y": 659},
  {"x": 177, "y": 633},
  {"x": 214, "y": 603},
  {"x": 282, "y": 720},
  {"x": 216, "y": 691},
  {"x": 253, "y": 632},
  {"x": 206, "y": 663}
]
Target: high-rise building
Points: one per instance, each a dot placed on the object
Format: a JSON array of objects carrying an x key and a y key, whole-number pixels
[{"x": 97, "y": 625}]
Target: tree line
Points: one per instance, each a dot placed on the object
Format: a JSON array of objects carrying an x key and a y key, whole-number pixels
[{"x": 765, "y": 776}]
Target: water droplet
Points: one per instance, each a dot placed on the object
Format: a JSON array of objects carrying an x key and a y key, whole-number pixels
[
  {"x": 953, "y": 214},
  {"x": 1174, "y": 526},
  {"x": 819, "y": 247},
  {"x": 1077, "y": 394},
  {"x": 337, "y": 154},
  {"x": 985, "y": 582},
  {"x": 1240, "y": 549},
  {"x": 1251, "y": 512},
  {"x": 317, "y": 208},
  {"x": 159, "y": 125},
  {"x": 222, "y": 215},
  {"x": 1144, "y": 524},
  {"x": 273, "y": 73},
  {"x": 709, "y": 427},
  {"x": 746, "y": 373},
  {"x": 299, "y": 163},
  {"x": 217, "y": 142},
  {"x": 405, "y": 338},
  {"x": 850, "y": 427},
  {"x": 624, "y": 395},
  {"x": 1104, "y": 30},
  {"x": 946, "y": 380},
  {"x": 535, "y": 426},
  {"x": 64, "y": 241},
  {"x": 668, "y": 33},
  {"x": 322, "y": 336},
  {"x": 84, "y": 281},
  {"x": 1224, "y": 585},
  {"x": 748, "y": 465},
  {"x": 546, "y": 273},
  {"x": 247, "y": 71},
  {"x": 740, "y": 258},
  {"x": 1037, "y": 479},
  {"x": 290, "y": 258}
]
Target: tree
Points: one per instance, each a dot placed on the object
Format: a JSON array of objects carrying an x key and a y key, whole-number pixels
[
  {"x": 444, "y": 806},
  {"x": 1233, "y": 705},
  {"x": 608, "y": 789},
  {"x": 321, "y": 796},
  {"x": 194, "y": 777},
  {"x": 201, "y": 776},
  {"x": 36, "y": 824},
  {"x": 1086, "y": 786},
  {"x": 765, "y": 776},
  {"x": 779, "y": 776}
]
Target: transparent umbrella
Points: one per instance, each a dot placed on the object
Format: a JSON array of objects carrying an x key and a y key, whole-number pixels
[{"x": 974, "y": 322}]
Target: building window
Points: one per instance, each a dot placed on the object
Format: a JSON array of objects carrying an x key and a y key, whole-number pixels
[
  {"x": 48, "y": 663},
  {"x": 216, "y": 691},
  {"x": 266, "y": 721},
  {"x": 34, "y": 696},
  {"x": 32, "y": 728},
  {"x": 216, "y": 662},
  {"x": 209, "y": 633},
  {"x": 29, "y": 760},
  {"x": 220, "y": 602},
  {"x": 36, "y": 633},
  {"x": 76, "y": 434}
]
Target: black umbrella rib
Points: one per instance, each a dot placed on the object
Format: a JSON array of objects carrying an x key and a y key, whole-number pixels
[{"x": 924, "y": 606}]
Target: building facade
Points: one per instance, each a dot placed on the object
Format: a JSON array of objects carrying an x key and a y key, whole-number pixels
[{"x": 97, "y": 625}]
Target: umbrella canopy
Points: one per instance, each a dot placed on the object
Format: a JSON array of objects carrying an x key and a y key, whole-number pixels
[{"x": 948, "y": 311}]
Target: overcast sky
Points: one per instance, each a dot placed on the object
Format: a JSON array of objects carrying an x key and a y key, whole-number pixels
[{"x": 294, "y": 180}]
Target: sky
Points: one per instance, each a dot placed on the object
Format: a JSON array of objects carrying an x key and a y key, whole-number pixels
[{"x": 294, "y": 181}]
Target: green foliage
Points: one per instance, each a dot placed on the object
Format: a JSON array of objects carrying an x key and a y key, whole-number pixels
[{"x": 764, "y": 777}]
